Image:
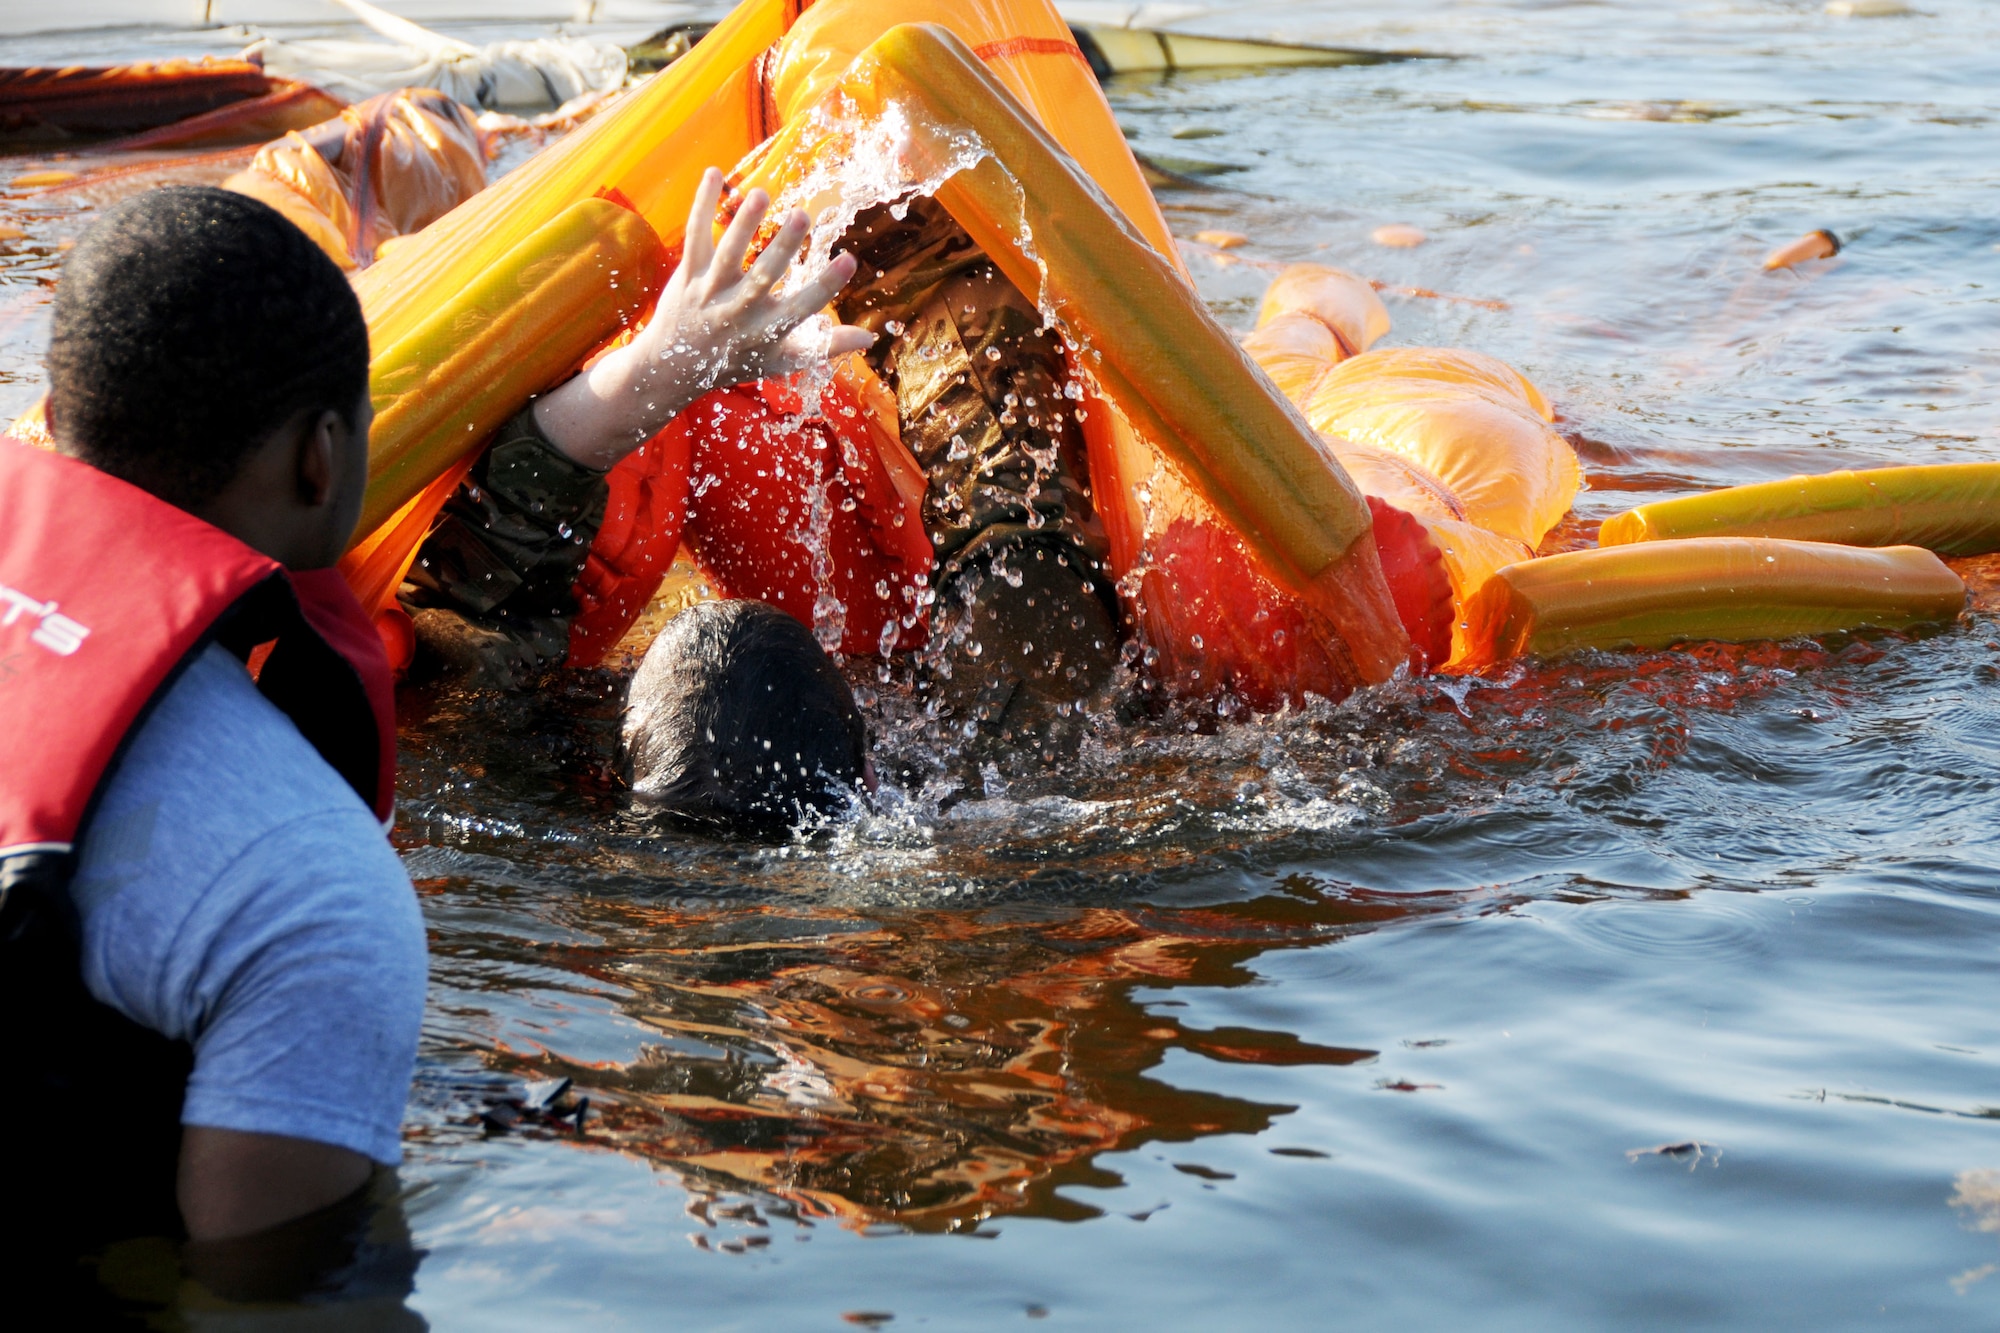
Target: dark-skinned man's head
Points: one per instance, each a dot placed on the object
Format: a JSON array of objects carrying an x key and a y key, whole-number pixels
[
  {"x": 205, "y": 350},
  {"x": 738, "y": 721}
]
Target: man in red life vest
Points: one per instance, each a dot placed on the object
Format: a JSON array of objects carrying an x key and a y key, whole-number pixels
[
  {"x": 211, "y": 957},
  {"x": 213, "y": 962}
]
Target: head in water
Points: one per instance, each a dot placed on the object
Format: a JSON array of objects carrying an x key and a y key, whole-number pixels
[
  {"x": 737, "y": 719},
  {"x": 205, "y": 350}
]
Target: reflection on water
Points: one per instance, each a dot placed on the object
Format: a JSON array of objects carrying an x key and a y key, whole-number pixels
[
  {"x": 1352, "y": 1014},
  {"x": 930, "y": 1070}
]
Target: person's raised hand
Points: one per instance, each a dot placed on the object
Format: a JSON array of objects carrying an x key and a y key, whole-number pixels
[{"x": 716, "y": 324}]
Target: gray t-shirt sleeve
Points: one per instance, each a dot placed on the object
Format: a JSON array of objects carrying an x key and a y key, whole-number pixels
[
  {"x": 306, "y": 1006},
  {"x": 234, "y": 893}
]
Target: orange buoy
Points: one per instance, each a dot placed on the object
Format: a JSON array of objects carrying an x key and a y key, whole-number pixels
[
  {"x": 1821, "y": 244},
  {"x": 1398, "y": 236},
  {"x": 1222, "y": 240}
]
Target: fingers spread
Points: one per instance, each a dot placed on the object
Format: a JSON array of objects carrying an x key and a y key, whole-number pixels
[
  {"x": 698, "y": 249},
  {"x": 777, "y": 256},
  {"x": 727, "y": 269}
]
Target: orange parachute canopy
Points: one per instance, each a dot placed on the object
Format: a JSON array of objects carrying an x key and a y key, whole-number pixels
[
  {"x": 1458, "y": 440},
  {"x": 385, "y": 168}
]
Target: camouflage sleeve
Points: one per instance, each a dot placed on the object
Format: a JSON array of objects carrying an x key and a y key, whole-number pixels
[{"x": 506, "y": 553}]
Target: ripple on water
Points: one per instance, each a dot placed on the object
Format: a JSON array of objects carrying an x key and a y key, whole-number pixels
[{"x": 1711, "y": 928}]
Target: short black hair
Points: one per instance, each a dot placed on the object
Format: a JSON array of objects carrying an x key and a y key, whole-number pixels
[
  {"x": 738, "y": 719},
  {"x": 189, "y": 324}
]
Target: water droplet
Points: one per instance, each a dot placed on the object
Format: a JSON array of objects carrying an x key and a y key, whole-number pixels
[
  {"x": 992, "y": 354},
  {"x": 894, "y": 326},
  {"x": 1196, "y": 641}
]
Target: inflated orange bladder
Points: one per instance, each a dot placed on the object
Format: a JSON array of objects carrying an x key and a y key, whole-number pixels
[{"x": 1655, "y": 594}]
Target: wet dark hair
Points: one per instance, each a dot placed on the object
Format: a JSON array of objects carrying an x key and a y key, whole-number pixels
[
  {"x": 737, "y": 719},
  {"x": 189, "y": 324}
]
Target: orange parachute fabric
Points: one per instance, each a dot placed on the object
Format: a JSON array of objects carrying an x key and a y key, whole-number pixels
[
  {"x": 59, "y": 102},
  {"x": 645, "y": 510},
  {"x": 385, "y": 168},
  {"x": 1457, "y": 440},
  {"x": 289, "y": 105}
]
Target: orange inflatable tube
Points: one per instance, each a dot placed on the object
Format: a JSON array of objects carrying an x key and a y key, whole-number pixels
[{"x": 1729, "y": 588}]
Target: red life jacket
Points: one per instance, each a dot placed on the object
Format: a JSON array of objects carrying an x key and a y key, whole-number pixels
[{"x": 106, "y": 594}]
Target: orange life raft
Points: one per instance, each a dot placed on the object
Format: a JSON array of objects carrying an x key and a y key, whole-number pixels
[{"x": 1193, "y": 454}]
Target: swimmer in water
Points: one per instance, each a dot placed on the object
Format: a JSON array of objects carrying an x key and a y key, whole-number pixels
[
  {"x": 490, "y": 591},
  {"x": 1024, "y": 629},
  {"x": 738, "y": 721}
]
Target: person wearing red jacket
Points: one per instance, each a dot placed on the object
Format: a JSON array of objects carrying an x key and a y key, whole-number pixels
[{"x": 213, "y": 959}]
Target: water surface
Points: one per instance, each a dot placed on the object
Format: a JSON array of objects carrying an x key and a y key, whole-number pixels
[{"x": 1630, "y": 990}]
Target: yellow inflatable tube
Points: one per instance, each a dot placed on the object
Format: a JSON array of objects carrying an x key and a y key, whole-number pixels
[
  {"x": 442, "y": 389},
  {"x": 1952, "y": 508},
  {"x": 1728, "y": 588},
  {"x": 454, "y": 379},
  {"x": 1145, "y": 339}
]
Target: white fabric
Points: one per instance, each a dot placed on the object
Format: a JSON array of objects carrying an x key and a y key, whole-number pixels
[{"x": 536, "y": 75}]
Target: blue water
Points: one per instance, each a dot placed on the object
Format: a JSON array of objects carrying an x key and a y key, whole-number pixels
[{"x": 1363, "y": 1015}]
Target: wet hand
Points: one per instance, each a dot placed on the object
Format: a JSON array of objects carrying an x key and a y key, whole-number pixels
[{"x": 717, "y": 324}]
